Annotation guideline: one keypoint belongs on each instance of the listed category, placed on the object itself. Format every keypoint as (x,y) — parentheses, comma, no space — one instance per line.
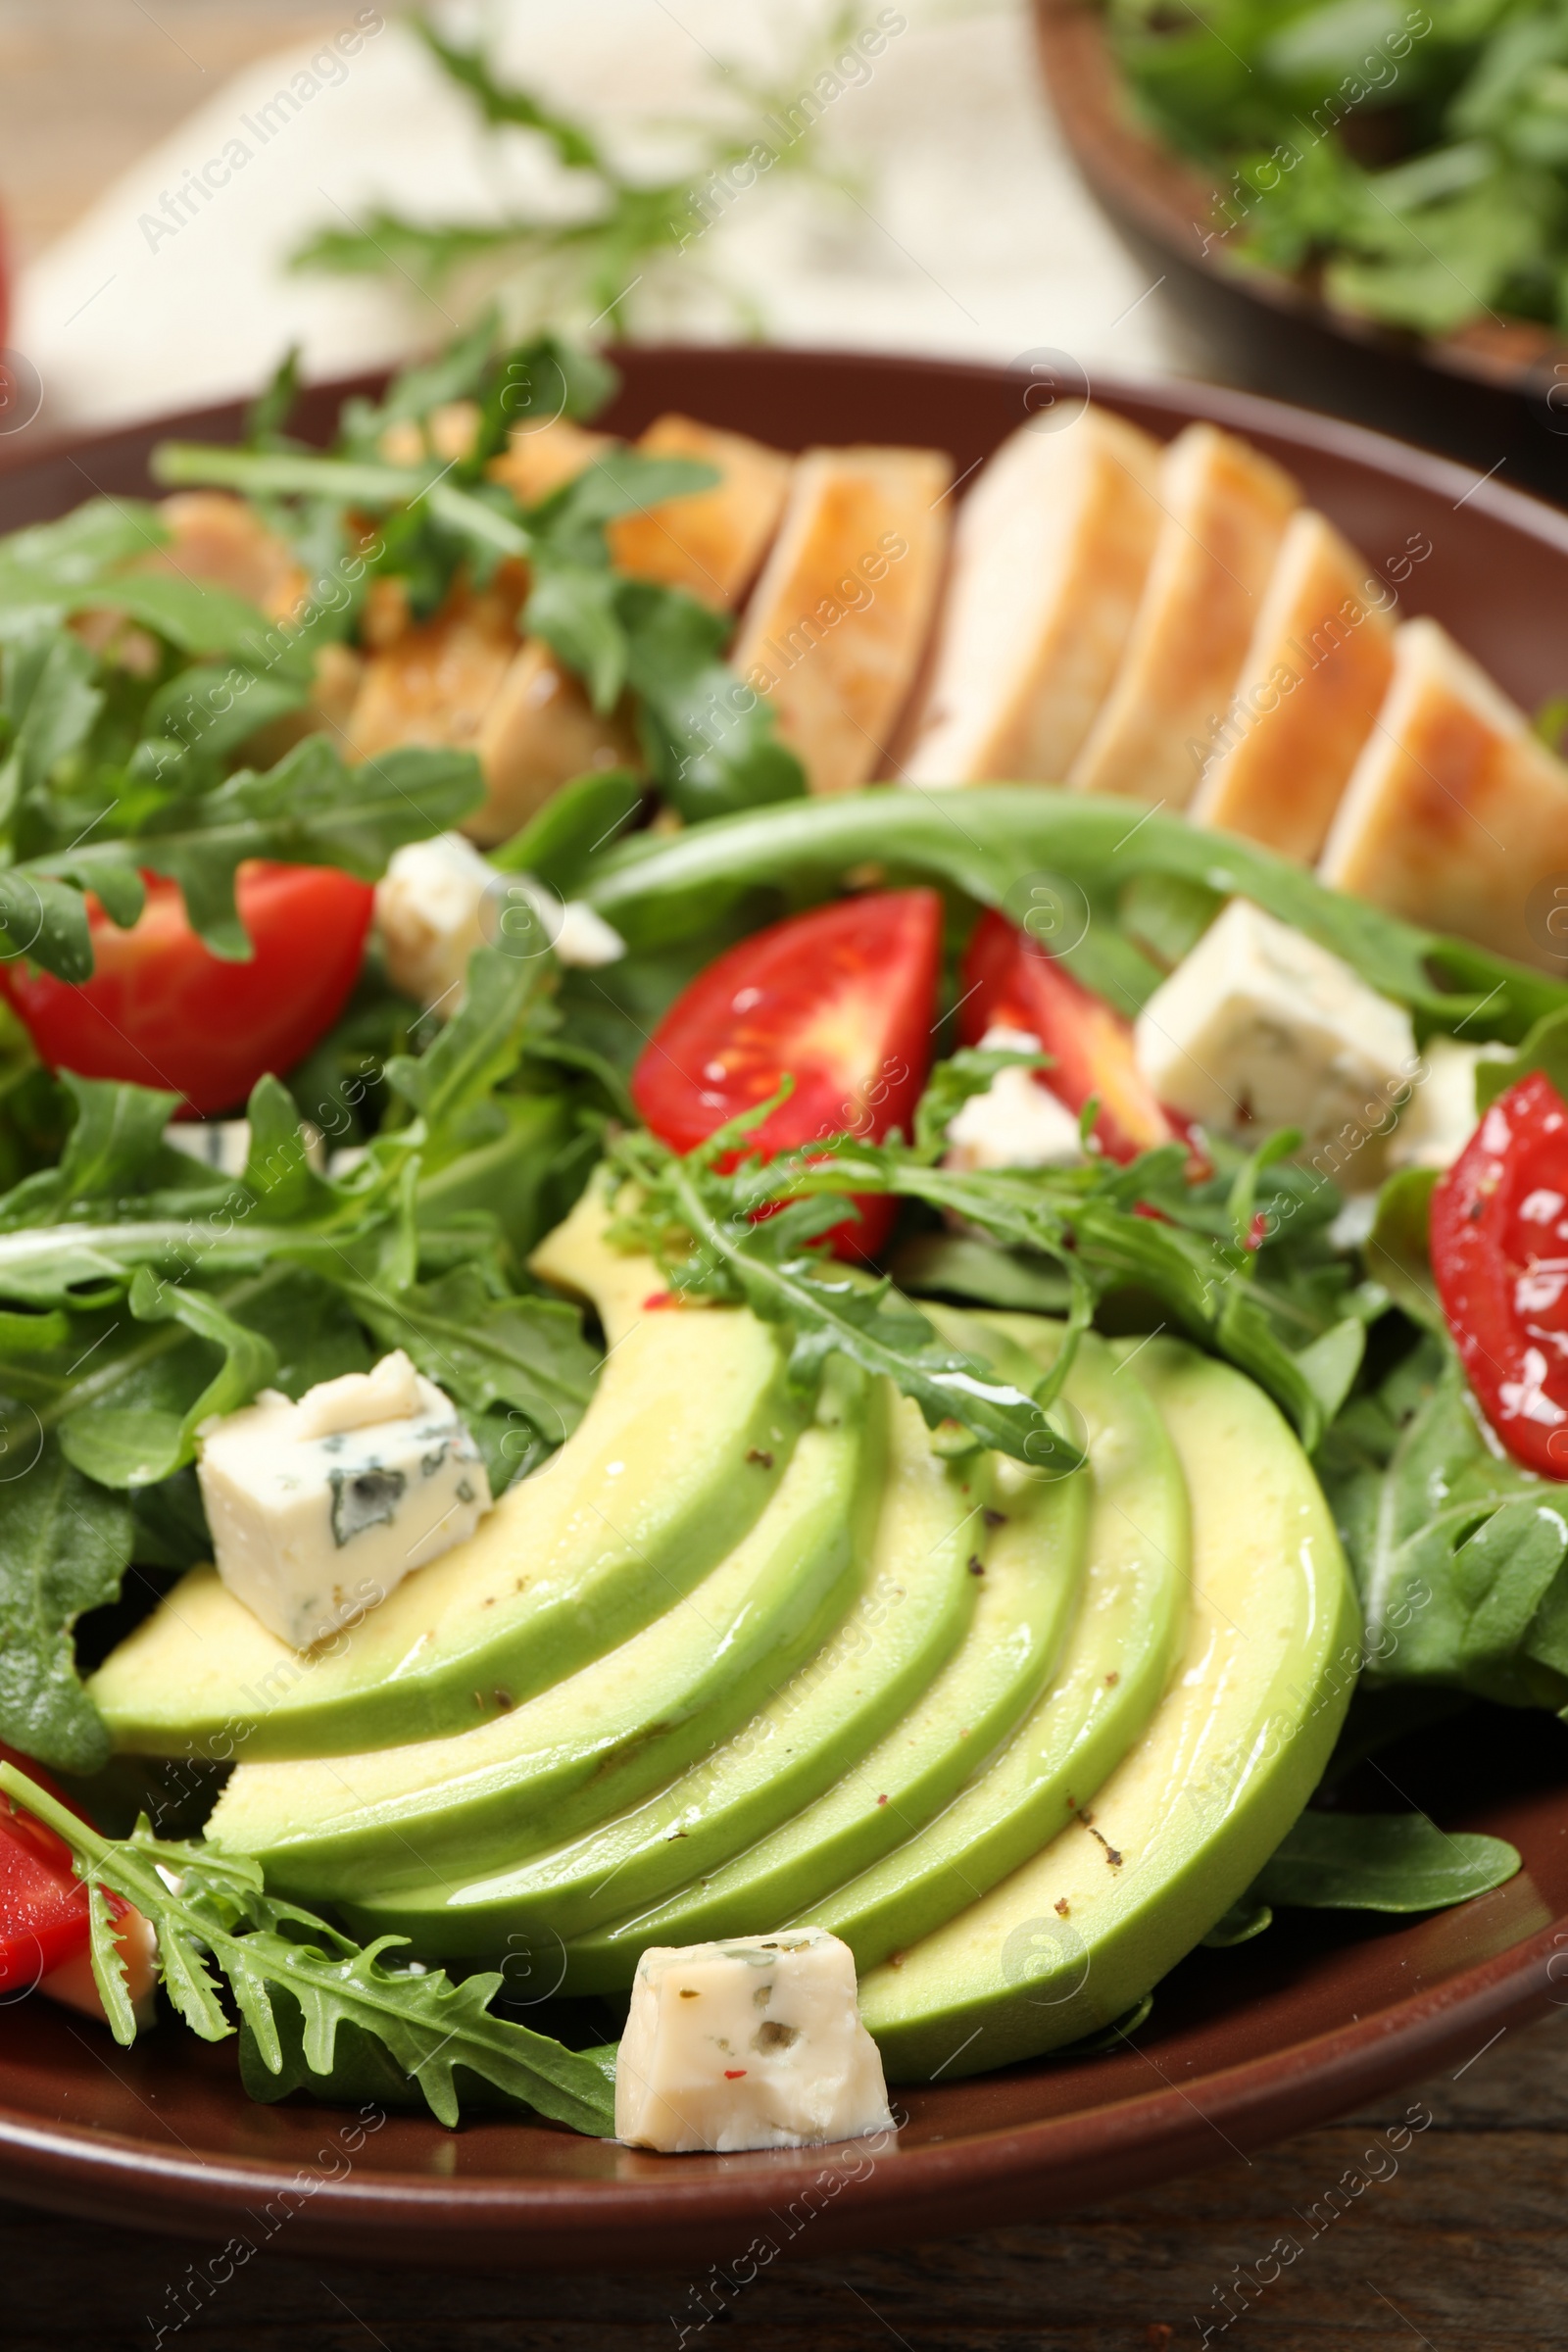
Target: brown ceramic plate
(1241,2046)
(1479,390)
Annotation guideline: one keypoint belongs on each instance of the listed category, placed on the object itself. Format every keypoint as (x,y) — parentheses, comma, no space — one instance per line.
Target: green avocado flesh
(1034,1569)
(1111,1678)
(1184,1822)
(912,1611)
(602,1737)
(687,1435)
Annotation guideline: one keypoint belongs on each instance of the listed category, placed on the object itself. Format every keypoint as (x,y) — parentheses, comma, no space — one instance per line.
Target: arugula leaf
(648,886)
(480,1045)
(221,1930)
(1380,1862)
(1546,1048)
(1458,1551)
(582,817)
(63,1547)
(827,1311)
(137,1445)
(617,231)
(487,1350)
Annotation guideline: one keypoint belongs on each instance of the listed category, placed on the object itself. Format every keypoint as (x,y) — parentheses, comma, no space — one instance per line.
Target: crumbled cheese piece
(1017,1122)
(754,2043)
(439,900)
(1442,1116)
(391,1392)
(318,1509)
(428,912)
(1260,1027)
(583,938)
(224,1144)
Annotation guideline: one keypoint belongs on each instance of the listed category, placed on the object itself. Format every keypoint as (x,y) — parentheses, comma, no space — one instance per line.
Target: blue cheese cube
(1260,1027)
(753,2043)
(318,1509)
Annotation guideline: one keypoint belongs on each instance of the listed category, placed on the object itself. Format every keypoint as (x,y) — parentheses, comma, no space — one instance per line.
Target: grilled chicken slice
(1225,513)
(1315,673)
(218,539)
(837,624)
(535,462)
(711,543)
(436,680)
(1455,811)
(1051,553)
(538,732)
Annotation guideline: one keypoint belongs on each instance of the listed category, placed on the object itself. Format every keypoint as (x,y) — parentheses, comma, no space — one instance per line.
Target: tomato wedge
(843,1000)
(43,1905)
(1011,982)
(160,1008)
(1499,1252)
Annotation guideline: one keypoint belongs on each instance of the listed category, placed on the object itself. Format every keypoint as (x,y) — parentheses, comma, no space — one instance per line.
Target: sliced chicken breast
(1315,674)
(836,627)
(539,731)
(712,543)
(1051,553)
(538,461)
(435,681)
(1455,811)
(218,539)
(1225,513)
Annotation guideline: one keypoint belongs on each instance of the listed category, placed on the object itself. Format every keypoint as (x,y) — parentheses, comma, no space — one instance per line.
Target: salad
(642,1346)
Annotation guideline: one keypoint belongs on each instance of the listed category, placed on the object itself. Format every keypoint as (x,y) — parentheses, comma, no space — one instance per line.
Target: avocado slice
(1111,1682)
(604,1736)
(684,1441)
(908,1617)
(1070,1939)
(1033,1576)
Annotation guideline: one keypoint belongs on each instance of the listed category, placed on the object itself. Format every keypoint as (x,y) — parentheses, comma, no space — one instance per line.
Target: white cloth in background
(973,236)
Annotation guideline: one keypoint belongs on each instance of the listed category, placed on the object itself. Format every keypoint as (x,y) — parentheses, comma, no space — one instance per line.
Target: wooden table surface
(1463,2248)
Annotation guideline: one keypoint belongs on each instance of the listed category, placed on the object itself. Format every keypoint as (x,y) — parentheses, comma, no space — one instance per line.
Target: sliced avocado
(1026,1595)
(600,1740)
(911,1614)
(1110,1683)
(686,1437)
(1189,1817)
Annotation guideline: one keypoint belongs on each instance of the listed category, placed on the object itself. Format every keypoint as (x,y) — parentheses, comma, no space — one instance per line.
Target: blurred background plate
(1243,2046)
(1479,393)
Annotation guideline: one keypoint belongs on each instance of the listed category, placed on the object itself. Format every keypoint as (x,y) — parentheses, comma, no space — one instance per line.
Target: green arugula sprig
(1238,1261)
(604,257)
(218,1929)
(701,1225)
(998,839)
(711,745)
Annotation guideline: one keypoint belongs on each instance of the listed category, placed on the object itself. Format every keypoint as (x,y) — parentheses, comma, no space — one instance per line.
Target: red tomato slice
(1499,1252)
(1011,982)
(162,1009)
(843,1000)
(43,1905)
